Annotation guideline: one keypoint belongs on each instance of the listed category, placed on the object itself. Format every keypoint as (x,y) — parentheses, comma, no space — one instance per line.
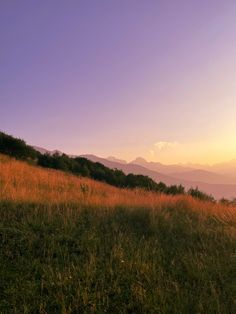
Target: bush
(16,147)
(200,195)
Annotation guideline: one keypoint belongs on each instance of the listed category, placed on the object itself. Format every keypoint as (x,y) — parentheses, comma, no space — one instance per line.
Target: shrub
(16,147)
(200,195)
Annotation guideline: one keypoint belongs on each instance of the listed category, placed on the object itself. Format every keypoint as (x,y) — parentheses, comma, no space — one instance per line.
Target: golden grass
(79,253)
(21,182)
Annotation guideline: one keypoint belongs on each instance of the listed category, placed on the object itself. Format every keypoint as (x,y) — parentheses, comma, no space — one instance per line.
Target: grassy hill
(74,245)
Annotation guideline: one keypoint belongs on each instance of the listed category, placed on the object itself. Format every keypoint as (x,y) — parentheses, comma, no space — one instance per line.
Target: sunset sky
(127,78)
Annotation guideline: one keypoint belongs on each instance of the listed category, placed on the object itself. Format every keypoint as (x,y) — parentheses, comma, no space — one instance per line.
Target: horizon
(131,160)
(153,79)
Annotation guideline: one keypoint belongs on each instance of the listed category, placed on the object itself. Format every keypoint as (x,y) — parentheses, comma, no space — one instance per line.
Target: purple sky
(125,77)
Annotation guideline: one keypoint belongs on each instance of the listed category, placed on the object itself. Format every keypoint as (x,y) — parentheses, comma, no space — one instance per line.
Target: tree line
(83,167)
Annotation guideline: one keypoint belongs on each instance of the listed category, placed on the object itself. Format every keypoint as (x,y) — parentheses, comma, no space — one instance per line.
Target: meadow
(73,245)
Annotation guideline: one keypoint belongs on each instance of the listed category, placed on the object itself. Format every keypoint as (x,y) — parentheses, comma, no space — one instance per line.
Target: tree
(16,147)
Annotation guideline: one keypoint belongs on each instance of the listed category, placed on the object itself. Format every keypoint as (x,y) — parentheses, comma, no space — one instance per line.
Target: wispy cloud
(151,152)
(163,145)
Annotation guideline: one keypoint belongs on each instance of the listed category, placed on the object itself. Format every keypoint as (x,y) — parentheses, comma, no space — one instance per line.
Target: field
(73,245)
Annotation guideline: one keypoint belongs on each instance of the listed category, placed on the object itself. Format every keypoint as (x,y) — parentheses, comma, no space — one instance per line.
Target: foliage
(95,170)
(200,195)
(225,201)
(16,147)
(174,190)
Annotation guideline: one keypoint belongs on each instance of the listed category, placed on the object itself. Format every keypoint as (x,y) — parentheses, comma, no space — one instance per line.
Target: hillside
(75,245)
(215,188)
(80,166)
(22,182)
(215,184)
(132,168)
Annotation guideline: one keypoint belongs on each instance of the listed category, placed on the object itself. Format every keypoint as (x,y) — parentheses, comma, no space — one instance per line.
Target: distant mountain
(132,168)
(217,190)
(204,176)
(157,166)
(112,158)
(209,174)
(226,168)
(46,151)
(50,152)
(217,184)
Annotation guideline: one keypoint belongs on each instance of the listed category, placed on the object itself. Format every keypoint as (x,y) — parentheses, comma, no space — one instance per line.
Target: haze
(124,78)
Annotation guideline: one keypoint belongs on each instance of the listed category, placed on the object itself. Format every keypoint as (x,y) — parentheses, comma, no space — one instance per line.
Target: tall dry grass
(74,245)
(21,182)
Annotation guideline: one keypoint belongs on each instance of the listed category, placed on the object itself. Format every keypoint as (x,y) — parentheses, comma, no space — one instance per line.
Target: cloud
(165,145)
(151,152)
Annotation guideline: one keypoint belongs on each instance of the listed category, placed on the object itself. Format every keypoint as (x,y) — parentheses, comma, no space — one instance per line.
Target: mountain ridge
(218,190)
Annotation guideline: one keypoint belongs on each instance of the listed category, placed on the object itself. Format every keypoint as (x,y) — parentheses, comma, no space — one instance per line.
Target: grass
(73,245)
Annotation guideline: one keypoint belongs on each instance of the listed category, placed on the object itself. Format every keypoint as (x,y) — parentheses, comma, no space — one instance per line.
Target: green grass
(58,259)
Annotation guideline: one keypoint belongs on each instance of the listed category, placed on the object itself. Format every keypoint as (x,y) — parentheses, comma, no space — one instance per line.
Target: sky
(124,78)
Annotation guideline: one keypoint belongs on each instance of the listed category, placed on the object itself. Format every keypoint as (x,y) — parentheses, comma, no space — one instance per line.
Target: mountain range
(218,180)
